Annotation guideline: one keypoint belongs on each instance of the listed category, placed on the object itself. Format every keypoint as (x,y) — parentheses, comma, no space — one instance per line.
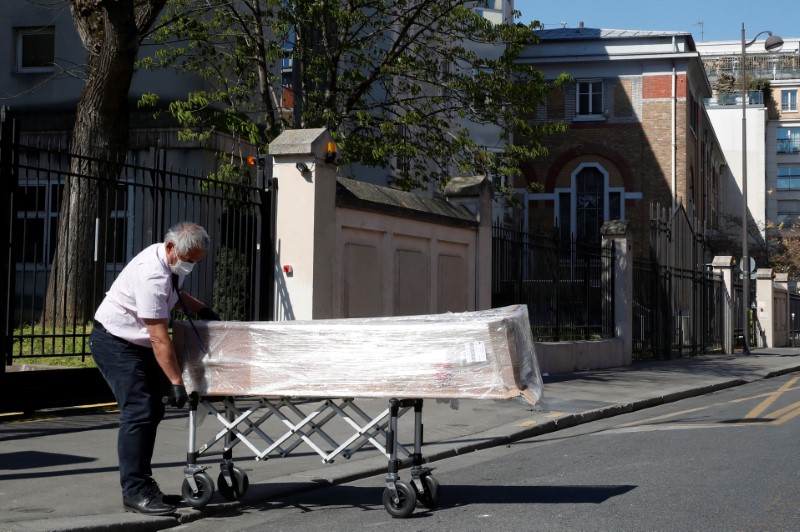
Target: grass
(49,346)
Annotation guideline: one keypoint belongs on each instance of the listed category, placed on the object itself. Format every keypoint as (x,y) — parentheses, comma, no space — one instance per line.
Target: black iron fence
(678,302)
(133,210)
(794,319)
(651,327)
(567,285)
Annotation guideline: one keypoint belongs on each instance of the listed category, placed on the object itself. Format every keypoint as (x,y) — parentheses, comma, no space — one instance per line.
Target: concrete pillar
(782,310)
(475,193)
(765,311)
(725,264)
(305,233)
(617,232)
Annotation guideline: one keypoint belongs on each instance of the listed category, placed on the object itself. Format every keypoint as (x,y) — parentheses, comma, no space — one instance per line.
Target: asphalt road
(724,461)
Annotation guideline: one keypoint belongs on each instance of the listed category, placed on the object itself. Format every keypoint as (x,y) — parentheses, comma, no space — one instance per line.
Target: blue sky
(721,20)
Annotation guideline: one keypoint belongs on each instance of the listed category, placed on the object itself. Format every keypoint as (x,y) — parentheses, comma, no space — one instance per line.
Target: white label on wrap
(475,352)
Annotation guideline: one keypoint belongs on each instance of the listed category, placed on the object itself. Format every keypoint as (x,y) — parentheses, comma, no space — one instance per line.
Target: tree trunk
(110,31)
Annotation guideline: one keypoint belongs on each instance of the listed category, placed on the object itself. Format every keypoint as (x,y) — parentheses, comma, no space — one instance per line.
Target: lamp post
(773,43)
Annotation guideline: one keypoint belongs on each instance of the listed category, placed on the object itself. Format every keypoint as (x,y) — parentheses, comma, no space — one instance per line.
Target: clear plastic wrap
(470,355)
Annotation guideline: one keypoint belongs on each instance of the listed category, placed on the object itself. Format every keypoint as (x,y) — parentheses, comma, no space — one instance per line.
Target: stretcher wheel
(407,503)
(429,499)
(205,490)
(239,488)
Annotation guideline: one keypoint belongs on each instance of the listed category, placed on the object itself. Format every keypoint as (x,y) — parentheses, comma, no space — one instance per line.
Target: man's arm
(164,350)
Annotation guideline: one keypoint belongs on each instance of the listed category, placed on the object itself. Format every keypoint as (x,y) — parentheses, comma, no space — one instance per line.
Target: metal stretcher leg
(424,483)
(198,488)
(232,482)
(398,497)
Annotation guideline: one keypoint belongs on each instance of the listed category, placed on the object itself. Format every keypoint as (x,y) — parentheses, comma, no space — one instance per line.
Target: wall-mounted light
(302,167)
(330,153)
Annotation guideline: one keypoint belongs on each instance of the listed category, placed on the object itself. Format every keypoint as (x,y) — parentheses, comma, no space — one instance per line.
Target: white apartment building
(773,126)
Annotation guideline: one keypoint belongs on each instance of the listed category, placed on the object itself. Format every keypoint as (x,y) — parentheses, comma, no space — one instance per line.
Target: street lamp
(773,43)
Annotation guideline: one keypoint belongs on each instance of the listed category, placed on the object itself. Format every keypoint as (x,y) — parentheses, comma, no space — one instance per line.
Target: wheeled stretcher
(276,386)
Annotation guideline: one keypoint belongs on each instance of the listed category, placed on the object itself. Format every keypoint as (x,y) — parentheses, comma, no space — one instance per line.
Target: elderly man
(131,345)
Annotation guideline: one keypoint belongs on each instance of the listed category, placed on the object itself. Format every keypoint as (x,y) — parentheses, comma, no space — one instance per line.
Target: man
(131,345)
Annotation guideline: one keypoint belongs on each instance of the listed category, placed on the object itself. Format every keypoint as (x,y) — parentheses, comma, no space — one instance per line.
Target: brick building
(638,133)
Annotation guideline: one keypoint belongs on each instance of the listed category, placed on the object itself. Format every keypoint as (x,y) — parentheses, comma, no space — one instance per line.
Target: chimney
(580,24)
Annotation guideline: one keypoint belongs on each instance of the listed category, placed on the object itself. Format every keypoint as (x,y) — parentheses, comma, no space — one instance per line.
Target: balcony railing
(781,65)
(726,99)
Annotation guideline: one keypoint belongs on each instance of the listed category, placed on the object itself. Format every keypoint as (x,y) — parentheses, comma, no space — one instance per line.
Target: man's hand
(177,396)
(207,314)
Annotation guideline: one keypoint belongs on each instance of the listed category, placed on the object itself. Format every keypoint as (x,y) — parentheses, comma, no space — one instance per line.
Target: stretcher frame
(243,426)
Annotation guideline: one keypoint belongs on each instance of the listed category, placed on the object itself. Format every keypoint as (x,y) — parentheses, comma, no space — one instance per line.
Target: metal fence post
(8,132)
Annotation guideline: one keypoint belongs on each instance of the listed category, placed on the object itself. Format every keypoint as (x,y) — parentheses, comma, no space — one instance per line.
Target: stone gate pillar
(617,232)
(725,264)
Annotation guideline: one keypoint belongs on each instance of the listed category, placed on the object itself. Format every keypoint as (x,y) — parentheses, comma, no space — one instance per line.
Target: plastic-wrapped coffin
(471,355)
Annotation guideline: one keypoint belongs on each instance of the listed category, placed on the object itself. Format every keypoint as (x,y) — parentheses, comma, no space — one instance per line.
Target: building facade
(638,134)
(773,125)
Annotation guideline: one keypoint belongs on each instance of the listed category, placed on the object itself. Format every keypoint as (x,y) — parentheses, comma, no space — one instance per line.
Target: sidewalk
(59,472)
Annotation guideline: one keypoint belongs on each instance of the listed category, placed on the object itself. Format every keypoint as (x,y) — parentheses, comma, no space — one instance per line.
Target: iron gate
(142,203)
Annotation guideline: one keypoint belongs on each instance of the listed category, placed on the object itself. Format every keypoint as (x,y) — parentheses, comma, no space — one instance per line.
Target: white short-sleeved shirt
(143,290)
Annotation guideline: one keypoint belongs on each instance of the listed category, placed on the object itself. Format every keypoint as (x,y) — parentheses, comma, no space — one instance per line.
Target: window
(589,203)
(788,213)
(36,220)
(581,209)
(788,139)
(788,177)
(564,215)
(590,98)
(35,49)
(788,100)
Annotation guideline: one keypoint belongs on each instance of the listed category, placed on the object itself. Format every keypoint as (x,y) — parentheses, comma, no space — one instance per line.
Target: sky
(705,20)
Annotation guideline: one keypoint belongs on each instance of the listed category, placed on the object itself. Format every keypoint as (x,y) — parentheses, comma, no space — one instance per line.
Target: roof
(600,33)
(366,196)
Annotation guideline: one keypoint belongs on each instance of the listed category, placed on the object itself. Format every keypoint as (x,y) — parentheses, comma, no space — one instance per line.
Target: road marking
(527,423)
(671,426)
(554,415)
(756,412)
(783,415)
(666,416)
(786,413)
(50,415)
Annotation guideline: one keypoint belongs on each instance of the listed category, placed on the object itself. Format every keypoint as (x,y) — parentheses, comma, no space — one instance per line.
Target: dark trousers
(137,381)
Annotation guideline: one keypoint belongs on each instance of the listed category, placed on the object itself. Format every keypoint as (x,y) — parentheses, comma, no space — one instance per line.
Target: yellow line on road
(666,416)
(786,413)
(527,423)
(49,415)
(756,412)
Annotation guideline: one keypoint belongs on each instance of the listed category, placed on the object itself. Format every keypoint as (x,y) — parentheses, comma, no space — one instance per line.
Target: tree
(778,248)
(111,32)
(398,84)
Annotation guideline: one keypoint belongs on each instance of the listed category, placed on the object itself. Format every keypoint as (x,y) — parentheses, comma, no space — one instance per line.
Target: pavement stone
(58,469)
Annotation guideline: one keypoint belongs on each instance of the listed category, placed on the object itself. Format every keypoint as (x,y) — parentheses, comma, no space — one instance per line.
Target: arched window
(581,209)
(590,202)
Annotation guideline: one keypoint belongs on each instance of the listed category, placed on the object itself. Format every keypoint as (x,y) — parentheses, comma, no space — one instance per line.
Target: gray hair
(187,236)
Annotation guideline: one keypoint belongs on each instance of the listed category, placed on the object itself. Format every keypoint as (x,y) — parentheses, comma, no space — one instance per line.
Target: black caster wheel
(406,504)
(239,488)
(429,499)
(205,490)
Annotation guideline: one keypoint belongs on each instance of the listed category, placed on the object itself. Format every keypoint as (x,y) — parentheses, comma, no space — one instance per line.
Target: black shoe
(153,488)
(147,503)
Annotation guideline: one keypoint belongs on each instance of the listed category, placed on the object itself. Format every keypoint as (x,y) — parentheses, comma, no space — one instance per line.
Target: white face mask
(181,268)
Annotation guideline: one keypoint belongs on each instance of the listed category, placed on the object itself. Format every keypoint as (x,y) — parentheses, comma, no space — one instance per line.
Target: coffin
(471,355)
